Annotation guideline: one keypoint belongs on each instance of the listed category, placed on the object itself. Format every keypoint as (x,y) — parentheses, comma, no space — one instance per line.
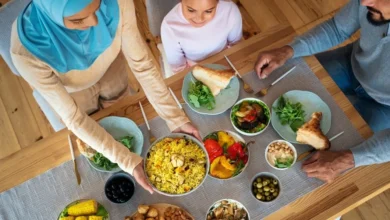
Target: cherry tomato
(251,116)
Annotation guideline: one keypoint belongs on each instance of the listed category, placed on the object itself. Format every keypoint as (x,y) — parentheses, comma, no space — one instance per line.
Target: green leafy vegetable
(105,163)
(127,141)
(240,165)
(284,163)
(200,95)
(225,148)
(102,211)
(213,136)
(290,113)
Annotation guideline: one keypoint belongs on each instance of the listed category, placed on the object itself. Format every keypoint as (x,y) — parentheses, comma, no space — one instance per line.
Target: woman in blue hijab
(65,50)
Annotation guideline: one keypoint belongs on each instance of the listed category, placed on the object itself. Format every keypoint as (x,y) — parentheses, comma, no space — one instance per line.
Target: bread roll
(216,80)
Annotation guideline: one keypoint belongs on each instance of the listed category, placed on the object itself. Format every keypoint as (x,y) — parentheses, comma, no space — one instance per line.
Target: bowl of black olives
(265,187)
(119,188)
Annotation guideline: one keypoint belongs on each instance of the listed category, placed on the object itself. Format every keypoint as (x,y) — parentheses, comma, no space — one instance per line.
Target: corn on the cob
(67,218)
(82,218)
(88,207)
(95,217)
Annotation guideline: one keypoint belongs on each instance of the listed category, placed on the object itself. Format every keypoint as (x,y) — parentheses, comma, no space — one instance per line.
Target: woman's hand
(140,177)
(269,61)
(188,128)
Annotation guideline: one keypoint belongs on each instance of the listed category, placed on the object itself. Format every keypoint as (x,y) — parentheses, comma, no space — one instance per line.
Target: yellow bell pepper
(214,164)
(219,171)
(222,173)
(225,139)
(226,163)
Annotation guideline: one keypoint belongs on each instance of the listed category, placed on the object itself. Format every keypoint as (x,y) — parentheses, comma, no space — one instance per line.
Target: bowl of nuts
(265,187)
(281,154)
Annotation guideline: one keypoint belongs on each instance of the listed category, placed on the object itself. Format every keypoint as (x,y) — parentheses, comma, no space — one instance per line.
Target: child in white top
(196,29)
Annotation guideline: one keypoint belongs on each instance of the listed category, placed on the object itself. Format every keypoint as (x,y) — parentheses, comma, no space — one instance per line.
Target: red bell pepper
(236,151)
(213,149)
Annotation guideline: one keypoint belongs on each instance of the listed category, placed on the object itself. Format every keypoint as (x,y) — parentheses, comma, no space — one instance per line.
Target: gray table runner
(46,195)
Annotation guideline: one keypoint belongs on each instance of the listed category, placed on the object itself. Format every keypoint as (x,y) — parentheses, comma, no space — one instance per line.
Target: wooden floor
(22,123)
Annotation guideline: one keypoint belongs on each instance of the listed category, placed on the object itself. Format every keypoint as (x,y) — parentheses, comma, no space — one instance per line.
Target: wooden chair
(8,14)
(156,11)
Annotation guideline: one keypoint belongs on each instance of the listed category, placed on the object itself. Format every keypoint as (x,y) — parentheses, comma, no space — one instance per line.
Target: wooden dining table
(327,202)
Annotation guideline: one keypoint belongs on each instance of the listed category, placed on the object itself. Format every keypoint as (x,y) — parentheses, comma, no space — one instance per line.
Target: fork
(264,91)
(247,87)
(151,137)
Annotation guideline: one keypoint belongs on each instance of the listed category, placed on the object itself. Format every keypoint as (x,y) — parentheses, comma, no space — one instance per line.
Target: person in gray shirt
(360,69)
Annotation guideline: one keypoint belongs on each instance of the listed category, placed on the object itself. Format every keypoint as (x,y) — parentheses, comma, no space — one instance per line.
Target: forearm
(95,136)
(138,56)
(330,33)
(157,92)
(375,150)
(319,39)
(77,121)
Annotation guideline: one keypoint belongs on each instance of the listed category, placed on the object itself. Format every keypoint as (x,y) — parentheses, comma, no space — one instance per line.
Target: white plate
(223,101)
(310,103)
(120,127)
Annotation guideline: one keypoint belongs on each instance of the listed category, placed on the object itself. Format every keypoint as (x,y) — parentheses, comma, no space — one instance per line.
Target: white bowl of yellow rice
(176,165)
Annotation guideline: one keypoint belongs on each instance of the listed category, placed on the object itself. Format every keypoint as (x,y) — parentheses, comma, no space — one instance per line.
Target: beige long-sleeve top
(55,87)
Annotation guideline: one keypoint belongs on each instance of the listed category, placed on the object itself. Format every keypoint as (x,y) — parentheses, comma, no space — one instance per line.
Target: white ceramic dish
(311,102)
(237,138)
(265,107)
(120,127)
(269,175)
(290,145)
(239,205)
(179,135)
(223,101)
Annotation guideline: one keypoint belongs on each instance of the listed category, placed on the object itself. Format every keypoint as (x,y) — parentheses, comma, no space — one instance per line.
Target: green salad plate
(311,103)
(101,210)
(120,127)
(223,101)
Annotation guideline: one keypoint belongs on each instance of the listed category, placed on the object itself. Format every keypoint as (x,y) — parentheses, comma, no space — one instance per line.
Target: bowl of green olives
(265,187)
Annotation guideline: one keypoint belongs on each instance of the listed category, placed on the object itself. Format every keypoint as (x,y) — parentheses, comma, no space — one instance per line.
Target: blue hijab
(42,31)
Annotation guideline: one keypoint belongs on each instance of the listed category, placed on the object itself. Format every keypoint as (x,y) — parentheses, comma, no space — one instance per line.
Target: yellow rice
(159,166)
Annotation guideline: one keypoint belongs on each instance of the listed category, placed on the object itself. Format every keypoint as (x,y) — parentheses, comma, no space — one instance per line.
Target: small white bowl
(237,138)
(269,175)
(290,145)
(239,205)
(243,132)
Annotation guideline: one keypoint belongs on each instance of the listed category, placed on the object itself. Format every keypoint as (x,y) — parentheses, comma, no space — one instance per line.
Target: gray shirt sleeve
(330,33)
(373,151)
